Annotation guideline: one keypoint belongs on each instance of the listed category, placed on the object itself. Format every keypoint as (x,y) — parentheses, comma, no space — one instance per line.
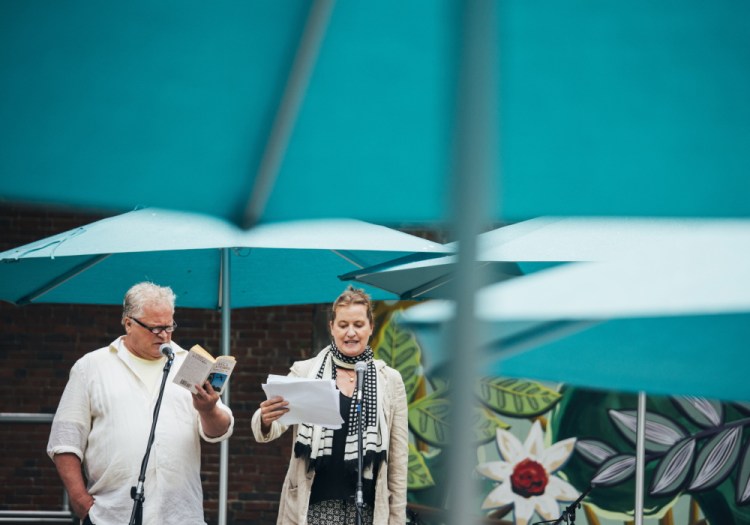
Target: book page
(194,370)
(202,351)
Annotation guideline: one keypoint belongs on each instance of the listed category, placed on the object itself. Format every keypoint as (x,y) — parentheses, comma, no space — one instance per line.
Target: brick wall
(39,344)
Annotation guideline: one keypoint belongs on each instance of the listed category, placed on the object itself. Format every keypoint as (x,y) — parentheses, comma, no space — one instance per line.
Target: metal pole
(474,168)
(226,324)
(640,453)
(286,116)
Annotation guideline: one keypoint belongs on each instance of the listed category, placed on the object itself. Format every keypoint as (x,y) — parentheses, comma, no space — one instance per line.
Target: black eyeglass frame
(156,330)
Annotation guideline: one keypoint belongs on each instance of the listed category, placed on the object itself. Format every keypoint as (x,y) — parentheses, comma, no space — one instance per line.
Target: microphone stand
(569,514)
(136,518)
(359,499)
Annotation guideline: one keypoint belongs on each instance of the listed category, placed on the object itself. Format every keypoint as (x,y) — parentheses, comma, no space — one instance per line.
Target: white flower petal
(523,509)
(509,446)
(551,459)
(561,490)
(546,507)
(534,444)
(497,470)
(556,455)
(499,497)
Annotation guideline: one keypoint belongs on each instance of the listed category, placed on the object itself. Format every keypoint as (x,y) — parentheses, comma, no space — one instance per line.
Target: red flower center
(529,478)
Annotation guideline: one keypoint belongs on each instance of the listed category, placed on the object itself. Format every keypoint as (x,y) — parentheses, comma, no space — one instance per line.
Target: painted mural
(540,446)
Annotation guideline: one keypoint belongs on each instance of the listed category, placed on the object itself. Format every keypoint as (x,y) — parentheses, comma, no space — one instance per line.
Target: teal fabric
(604,108)
(691,355)
(289,263)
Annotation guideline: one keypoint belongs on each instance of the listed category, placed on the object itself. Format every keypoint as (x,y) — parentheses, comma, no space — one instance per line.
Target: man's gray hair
(144,294)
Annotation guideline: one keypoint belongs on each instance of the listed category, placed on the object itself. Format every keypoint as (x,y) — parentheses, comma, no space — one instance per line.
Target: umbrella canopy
(536,244)
(675,327)
(672,326)
(607,108)
(208,262)
(285,263)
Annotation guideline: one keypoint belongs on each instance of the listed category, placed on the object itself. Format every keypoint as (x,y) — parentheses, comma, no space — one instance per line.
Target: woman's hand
(271,410)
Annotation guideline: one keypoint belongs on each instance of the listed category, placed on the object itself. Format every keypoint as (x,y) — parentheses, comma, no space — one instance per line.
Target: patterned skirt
(337,512)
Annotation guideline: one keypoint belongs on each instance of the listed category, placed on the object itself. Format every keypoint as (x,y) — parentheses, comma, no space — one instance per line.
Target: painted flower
(526,475)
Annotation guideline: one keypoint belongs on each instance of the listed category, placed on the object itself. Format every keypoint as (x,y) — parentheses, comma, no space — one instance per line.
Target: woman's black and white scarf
(315,442)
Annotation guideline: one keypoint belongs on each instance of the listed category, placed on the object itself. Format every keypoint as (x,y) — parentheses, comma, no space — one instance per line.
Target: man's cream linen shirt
(105,417)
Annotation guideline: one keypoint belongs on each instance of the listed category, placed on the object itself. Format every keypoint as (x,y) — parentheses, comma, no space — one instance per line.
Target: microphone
(359,369)
(167,351)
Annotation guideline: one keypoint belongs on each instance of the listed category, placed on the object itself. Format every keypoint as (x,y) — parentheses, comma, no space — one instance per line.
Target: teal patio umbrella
(264,111)
(660,291)
(672,327)
(674,323)
(274,264)
(208,262)
(529,246)
(663,327)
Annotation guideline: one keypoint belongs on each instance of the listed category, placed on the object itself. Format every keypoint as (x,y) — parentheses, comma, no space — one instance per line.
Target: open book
(200,366)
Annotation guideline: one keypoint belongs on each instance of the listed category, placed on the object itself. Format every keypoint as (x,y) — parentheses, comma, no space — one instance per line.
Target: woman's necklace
(351,377)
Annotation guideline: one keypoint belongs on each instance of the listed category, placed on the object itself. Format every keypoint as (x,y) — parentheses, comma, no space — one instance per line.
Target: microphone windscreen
(360,366)
(166,350)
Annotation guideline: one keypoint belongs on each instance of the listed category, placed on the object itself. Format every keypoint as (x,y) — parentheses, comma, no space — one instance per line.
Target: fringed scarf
(315,442)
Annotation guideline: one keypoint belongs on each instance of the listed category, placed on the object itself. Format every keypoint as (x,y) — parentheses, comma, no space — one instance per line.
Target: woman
(321,480)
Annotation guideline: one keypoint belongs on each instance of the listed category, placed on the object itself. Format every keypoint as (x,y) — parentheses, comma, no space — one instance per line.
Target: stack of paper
(311,401)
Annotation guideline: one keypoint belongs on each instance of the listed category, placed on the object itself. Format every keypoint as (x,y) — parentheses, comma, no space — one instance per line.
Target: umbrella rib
(349,257)
(286,116)
(392,263)
(61,279)
(422,289)
(442,280)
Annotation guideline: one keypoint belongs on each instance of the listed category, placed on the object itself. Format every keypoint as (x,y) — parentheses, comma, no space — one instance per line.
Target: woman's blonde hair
(350,296)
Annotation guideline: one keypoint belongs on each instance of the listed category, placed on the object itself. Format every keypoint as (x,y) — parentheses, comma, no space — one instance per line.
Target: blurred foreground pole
(475,144)
(226,322)
(640,457)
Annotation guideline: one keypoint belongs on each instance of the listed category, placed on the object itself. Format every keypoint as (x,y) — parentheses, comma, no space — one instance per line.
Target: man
(104,420)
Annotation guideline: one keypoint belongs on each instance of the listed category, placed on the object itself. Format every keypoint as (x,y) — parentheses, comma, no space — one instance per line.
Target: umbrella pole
(476,143)
(226,321)
(640,452)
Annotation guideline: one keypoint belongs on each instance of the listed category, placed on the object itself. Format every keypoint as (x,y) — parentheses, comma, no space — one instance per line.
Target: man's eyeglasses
(156,330)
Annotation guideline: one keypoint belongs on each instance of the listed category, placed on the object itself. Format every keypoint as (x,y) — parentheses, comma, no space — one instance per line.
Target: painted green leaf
(516,397)
(673,469)
(418,476)
(743,478)
(594,451)
(439,385)
(703,412)
(400,350)
(716,459)
(428,419)
(660,432)
(613,471)
(486,425)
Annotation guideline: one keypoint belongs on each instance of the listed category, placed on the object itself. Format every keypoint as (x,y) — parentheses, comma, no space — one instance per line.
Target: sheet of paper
(311,401)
